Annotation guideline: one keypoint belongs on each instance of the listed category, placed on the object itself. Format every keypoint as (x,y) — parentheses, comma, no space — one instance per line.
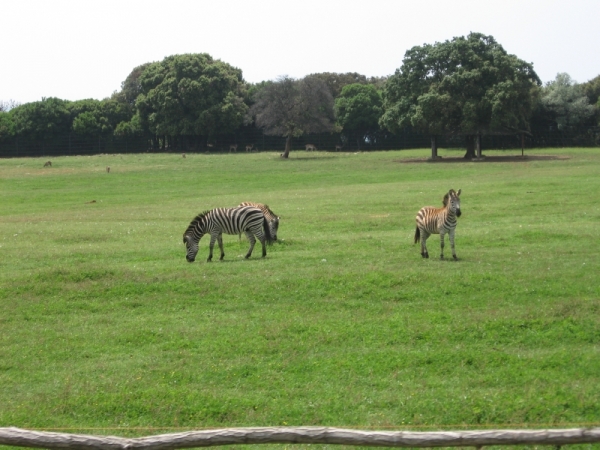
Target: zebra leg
(263,241)
(252,240)
(220,241)
(442,236)
(424,236)
(213,238)
(451,235)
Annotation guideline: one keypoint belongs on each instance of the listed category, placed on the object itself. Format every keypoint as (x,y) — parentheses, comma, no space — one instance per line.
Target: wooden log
(299,435)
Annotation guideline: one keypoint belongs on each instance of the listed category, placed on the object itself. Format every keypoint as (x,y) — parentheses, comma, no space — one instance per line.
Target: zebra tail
(417,235)
(267,231)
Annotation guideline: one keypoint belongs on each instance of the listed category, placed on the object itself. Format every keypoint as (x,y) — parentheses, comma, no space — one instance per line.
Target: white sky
(85,48)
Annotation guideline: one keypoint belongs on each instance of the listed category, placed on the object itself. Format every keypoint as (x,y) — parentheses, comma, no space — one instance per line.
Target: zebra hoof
(455,257)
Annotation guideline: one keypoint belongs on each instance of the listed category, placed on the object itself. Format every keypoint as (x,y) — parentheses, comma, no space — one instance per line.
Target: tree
(592,90)
(42,120)
(94,118)
(131,87)
(358,109)
(566,102)
(467,86)
(291,108)
(7,125)
(191,94)
(6,106)
(337,81)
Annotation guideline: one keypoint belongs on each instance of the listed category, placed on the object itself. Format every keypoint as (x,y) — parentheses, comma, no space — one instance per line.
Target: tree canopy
(191,94)
(358,109)
(291,108)
(566,101)
(466,86)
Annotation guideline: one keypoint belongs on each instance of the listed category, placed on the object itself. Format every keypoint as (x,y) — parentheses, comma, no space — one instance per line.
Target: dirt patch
(507,158)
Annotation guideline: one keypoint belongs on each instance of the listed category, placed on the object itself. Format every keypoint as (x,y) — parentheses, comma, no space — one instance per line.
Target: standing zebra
(271,217)
(432,220)
(230,221)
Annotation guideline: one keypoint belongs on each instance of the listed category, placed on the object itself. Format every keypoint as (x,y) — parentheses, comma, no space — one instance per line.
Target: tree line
(459,90)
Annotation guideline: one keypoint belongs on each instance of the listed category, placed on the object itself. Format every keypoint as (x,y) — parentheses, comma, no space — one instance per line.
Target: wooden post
(434,154)
(522,144)
(299,435)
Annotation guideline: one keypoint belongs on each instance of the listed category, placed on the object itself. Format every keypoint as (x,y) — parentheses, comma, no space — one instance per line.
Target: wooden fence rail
(299,435)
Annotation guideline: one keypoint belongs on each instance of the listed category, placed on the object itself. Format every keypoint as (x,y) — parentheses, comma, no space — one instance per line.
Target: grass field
(105,325)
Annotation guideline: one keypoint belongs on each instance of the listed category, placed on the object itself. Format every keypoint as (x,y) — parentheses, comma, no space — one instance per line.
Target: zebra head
(191,247)
(273,227)
(192,236)
(452,201)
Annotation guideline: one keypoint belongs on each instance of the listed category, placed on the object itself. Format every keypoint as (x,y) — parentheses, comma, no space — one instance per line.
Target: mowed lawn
(103,323)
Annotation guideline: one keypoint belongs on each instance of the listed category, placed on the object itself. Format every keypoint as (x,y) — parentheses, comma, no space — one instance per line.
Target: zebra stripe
(230,221)
(271,217)
(432,220)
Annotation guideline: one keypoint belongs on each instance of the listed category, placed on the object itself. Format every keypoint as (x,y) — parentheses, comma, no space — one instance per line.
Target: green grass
(104,324)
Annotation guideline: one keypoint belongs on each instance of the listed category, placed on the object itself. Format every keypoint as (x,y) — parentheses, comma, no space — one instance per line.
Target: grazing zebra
(230,221)
(432,220)
(271,217)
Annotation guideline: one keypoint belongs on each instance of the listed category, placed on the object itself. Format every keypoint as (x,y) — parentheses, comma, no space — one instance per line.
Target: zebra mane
(270,211)
(194,221)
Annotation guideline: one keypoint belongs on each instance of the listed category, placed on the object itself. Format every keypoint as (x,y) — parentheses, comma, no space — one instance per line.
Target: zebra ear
(458,193)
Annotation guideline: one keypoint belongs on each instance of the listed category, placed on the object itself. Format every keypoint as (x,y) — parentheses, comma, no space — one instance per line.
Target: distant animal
(271,217)
(107,169)
(183,155)
(209,147)
(249,147)
(233,147)
(217,221)
(48,164)
(310,147)
(338,147)
(432,220)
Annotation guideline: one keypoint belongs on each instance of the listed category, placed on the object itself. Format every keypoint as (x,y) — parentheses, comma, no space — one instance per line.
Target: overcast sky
(85,49)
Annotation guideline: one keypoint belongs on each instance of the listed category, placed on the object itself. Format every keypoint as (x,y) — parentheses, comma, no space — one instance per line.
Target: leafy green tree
(592,90)
(45,119)
(566,101)
(7,125)
(337,81)
(467,86)
(358,109)
(292,108)
(191,94)
(131,87)
(95,118)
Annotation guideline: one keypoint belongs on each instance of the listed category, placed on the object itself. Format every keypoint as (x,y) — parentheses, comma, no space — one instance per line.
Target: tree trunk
(288,146)
(470,143)
(434,154)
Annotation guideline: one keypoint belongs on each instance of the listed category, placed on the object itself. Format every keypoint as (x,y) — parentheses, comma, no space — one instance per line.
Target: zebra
(431,220)
(271,217)
(230,221)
